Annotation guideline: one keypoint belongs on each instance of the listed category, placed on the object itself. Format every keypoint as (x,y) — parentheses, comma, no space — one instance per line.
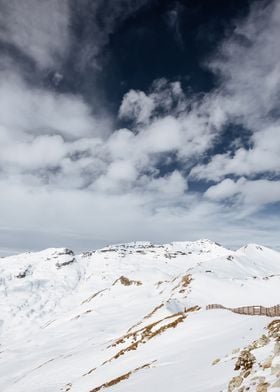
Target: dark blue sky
(150,45)
(161,38)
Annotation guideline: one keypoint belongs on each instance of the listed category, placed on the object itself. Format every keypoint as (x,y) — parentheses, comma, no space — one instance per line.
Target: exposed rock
(267,370)
(246,374)
(274,329)
(88,253)
(127,282)
(120,378)
(68,387)
(66,251)
(64,263)
(186,280)
(267,362)
(245,360)
(235,382)
(24,273)
(262,387)
(261,342)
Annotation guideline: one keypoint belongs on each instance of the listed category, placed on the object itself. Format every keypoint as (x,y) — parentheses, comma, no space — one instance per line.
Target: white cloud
(225,189)
(248,64)
(262,157)
(42,152)
(172,186)
(136,105)
(44,30)
(164,97)
(119,176)
(38,28)
(41,111)
(162,135)
(251,193)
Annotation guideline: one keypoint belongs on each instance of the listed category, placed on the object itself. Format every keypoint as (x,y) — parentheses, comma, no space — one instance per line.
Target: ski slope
(132,317)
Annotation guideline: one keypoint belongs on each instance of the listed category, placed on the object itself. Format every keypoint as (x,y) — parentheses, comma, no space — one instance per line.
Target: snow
(65,318)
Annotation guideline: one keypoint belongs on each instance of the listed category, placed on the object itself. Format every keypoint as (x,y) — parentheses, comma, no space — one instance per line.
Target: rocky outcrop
(260,375)
(127,282)
(121,378)
(64,263)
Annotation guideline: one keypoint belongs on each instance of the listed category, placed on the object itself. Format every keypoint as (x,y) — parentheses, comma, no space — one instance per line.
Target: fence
(273,311)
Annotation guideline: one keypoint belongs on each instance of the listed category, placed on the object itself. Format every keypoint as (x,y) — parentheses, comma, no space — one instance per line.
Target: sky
(126,120)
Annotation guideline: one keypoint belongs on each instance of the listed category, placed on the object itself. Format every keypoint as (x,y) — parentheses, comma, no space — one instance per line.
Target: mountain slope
(133,316)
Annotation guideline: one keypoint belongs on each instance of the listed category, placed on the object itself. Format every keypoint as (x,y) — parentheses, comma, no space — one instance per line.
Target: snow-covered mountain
(133,317)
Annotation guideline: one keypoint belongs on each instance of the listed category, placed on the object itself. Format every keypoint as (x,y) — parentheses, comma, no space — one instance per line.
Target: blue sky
(141,120)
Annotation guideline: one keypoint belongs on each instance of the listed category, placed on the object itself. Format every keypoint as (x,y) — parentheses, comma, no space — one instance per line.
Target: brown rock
(267,363)
(234,383)
(245,360)
(262,387)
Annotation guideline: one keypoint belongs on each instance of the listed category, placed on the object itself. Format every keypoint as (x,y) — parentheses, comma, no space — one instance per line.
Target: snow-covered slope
(133,317)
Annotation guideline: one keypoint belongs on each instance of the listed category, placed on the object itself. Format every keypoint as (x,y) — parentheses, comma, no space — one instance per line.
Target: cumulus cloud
(262,157)
(57,140)
(172,185)
(164,97)
(41,111)
(46,137)
(248,65)
(136,105)
(252,193)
